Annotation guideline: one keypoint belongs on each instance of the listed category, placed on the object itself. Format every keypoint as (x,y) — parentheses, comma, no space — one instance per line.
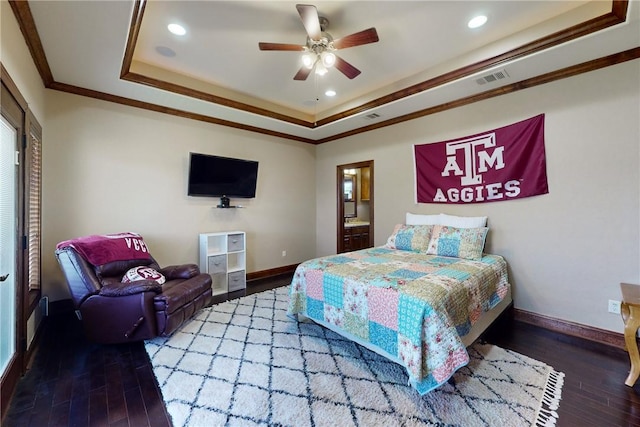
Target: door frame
(16,110)
(340,201)
(12,111)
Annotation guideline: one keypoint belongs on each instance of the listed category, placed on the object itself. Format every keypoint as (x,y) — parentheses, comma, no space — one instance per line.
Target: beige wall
(110,168)
(16,59)
(567,250)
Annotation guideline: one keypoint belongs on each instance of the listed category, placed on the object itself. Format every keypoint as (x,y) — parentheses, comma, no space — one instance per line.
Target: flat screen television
(215,176)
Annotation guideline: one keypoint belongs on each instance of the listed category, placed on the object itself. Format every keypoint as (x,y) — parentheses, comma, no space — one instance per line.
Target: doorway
(8,202)
(10,309)
(20,172)
(355,213)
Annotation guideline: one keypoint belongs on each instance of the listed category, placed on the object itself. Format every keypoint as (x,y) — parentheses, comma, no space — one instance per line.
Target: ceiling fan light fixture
(318,51)
(308,59)
(328,59)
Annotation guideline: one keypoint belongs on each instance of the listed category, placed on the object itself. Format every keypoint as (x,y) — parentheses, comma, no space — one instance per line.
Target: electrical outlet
(614,306)
(284,253)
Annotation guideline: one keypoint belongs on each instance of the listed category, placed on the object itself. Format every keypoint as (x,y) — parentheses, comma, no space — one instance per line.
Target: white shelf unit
(223,256)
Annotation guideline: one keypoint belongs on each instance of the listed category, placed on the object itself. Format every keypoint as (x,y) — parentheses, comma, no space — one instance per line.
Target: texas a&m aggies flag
(501,164)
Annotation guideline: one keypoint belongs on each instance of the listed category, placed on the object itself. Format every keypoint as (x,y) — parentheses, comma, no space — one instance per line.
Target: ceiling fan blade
(346,68)
(310,20)
(367,36)
(280,46)
(303,73)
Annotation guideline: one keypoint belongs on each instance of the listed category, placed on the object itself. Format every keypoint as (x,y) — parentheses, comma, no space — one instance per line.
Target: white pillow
(416,219)
(448,220)
(463,221)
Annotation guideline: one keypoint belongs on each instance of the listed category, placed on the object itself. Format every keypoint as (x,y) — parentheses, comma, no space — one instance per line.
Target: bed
(419,300)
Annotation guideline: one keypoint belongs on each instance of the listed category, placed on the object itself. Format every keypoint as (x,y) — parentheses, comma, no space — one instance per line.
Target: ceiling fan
(320,47)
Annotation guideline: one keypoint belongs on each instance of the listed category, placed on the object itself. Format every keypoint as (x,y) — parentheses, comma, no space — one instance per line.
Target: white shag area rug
(244,363)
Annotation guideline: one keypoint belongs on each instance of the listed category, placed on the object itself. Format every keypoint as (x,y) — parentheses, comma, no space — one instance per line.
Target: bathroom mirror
(349,191)
(349,188)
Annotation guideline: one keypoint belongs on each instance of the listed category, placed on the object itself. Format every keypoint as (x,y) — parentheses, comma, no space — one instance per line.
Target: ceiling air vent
(490,78)
(372,116)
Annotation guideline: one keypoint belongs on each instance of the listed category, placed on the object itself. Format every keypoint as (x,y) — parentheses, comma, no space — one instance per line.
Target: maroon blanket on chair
(101,249)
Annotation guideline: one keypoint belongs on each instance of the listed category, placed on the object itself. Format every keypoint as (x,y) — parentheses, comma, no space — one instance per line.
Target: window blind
(34,165)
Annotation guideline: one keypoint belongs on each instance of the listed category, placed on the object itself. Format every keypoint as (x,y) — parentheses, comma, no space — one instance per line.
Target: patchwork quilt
(413,306)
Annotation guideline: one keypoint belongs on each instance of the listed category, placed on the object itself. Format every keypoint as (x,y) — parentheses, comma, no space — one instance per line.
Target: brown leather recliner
(116,312)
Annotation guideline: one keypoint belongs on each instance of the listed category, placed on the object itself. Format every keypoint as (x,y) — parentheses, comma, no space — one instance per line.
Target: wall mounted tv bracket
(224,202)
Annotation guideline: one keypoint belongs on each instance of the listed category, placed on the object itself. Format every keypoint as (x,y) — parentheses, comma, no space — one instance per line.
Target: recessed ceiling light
(478,21)
(166,51)
(330,92)
(177,29)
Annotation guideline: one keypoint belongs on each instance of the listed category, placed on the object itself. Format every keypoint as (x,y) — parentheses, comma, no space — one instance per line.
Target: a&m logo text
(479,155)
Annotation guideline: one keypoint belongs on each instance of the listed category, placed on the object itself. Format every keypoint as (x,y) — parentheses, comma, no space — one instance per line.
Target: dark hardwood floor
(77,383)
(594,393)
